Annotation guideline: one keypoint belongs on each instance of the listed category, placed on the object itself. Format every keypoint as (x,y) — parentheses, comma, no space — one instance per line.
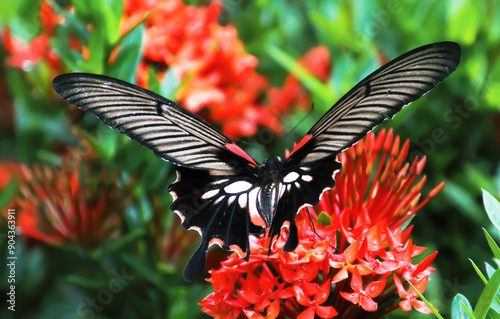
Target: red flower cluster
(210,60)
(65,205)
(353,263)
(219,79)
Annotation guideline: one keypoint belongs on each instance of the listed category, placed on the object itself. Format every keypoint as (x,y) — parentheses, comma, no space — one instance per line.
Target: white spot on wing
(220,181)
(178,176)
(307,178)
(237,187)
(282,190)
(252,208)
(291,177)
(242,200)
(210,194)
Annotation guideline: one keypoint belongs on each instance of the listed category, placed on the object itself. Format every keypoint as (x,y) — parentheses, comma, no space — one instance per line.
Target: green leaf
(324,219)
(139,267)
(8,192)
(118,243)
(169,84)
(490,271)
(479,272)
(431,307)
(112,13)
(129,56)
(467,310)
(492,207)
(85,282)
(489,292)
(96,61)
(459,306)
(10,9)
(463,200)
(103,141)
(493,245)
(464,22)
(323,91)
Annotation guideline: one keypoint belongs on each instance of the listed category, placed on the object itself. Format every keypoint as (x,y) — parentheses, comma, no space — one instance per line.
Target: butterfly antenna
(312,224)
(300,122)
(314,229)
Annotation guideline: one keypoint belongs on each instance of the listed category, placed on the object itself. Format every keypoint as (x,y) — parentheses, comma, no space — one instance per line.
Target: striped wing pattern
(377,97)
(172,132)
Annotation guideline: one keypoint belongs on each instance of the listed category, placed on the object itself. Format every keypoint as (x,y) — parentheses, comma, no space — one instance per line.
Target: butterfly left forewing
(170,131)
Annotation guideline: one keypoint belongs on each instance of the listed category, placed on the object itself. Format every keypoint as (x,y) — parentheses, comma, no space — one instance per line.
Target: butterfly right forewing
(377,97)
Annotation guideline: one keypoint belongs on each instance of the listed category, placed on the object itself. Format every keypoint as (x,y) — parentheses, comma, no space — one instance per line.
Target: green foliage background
(457,126)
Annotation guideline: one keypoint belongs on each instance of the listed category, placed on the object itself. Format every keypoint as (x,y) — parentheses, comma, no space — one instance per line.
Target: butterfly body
(221,191)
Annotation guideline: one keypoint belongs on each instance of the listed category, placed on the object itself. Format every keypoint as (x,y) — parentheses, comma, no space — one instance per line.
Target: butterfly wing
(377,97)
(220,207)
(171,131)
(216,178)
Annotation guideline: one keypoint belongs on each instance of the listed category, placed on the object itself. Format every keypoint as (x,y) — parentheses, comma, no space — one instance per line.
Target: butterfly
(220,190)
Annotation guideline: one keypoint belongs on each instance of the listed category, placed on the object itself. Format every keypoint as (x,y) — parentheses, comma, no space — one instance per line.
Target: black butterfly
(220,190)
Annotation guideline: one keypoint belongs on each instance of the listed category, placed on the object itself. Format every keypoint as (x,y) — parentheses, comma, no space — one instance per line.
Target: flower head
(347,262)
(65,205)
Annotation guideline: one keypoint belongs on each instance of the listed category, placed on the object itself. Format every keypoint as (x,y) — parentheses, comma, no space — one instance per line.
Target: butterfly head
(272,164)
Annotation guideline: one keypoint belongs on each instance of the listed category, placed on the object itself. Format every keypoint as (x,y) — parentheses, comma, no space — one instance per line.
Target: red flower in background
(354,259)
(66,205)
(218,78)
(26,55)
(217,74)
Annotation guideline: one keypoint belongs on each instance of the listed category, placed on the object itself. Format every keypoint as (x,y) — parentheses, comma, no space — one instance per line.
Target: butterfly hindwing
(218,207)
(301,185)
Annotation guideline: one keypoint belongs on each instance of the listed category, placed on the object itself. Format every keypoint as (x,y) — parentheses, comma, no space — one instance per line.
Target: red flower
(360,245)
(302,293)
(26,55)
(216,74)
(410,297)
(65,206)
(364,297)
(7,172)
(218,77)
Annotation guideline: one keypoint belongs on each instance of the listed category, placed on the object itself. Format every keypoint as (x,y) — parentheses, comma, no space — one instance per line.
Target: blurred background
(93,206)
